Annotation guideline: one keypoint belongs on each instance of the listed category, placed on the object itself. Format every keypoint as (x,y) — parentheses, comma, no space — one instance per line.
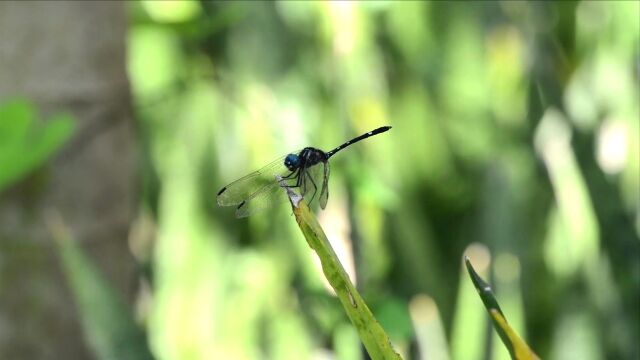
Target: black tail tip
(222,190)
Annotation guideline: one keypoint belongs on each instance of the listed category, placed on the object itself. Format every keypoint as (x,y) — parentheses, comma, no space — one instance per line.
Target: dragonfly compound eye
(292,161)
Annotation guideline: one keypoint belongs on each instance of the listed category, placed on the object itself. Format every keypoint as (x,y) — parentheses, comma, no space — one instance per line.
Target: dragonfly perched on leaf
(306,170)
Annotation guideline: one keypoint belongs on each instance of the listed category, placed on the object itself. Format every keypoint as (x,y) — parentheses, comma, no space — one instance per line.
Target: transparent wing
(324,193)
(312,186)
(253,184)
(271,195)
(267,197)
(313,178)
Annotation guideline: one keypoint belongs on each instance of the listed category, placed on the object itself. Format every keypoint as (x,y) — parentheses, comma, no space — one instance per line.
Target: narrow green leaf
(371,334)
(518,349)
(107,323)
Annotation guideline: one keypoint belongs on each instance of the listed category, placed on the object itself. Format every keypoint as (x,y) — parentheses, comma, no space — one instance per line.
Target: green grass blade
(371,334)
(518,349)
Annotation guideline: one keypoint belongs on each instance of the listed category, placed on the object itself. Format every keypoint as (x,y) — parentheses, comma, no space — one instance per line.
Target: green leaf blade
(107,323)
(371,333)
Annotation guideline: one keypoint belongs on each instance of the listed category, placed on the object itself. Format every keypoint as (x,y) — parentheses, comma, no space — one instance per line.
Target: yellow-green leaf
(521,350)
(372,335)
(518,349)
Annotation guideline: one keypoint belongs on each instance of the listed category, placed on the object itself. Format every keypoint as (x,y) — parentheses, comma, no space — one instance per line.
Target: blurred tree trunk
(65,56)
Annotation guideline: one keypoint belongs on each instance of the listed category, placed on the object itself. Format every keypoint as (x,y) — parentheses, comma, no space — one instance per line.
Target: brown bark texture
(65,56)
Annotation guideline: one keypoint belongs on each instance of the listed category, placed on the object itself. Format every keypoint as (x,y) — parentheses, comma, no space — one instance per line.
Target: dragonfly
(306,170)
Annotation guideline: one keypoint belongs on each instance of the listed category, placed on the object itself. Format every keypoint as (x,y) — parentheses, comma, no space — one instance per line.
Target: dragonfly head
(292,162)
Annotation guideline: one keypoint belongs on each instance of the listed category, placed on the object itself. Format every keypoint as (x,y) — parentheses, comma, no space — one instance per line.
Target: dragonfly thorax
(306,158)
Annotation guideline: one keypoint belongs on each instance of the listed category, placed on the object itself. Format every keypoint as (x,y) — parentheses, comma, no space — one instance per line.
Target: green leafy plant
(26,144)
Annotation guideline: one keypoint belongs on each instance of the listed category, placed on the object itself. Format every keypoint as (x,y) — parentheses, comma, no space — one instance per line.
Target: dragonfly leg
(299,179)
(291,176)
(315,187)
(301,183)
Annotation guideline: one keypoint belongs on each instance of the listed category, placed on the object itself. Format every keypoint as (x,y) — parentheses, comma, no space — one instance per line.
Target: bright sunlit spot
(172,11)
(612,146)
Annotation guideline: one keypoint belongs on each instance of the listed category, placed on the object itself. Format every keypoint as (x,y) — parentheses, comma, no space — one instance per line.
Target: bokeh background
(515,141)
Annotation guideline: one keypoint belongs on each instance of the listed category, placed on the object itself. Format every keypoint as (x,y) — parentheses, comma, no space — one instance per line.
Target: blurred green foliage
(515,139)
(26,143)
(108,325)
